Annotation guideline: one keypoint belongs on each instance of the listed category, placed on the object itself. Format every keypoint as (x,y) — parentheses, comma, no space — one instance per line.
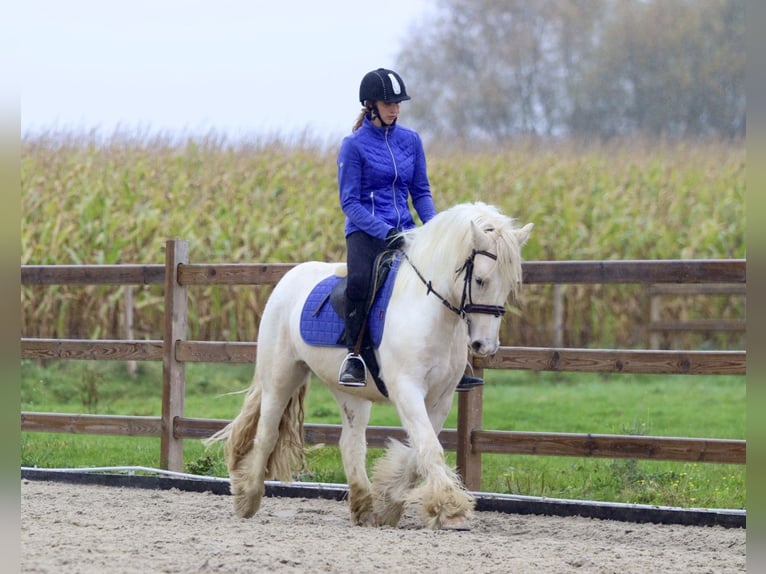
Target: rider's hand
(393,239)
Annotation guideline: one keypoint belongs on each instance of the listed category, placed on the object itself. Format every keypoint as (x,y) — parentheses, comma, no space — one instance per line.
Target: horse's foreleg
(355,413)
(394,476)
(444,500)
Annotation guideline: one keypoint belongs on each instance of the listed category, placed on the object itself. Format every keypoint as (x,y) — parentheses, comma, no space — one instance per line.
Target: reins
(467,269)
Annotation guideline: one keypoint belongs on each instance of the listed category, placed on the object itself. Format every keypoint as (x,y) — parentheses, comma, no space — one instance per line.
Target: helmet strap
(375,114)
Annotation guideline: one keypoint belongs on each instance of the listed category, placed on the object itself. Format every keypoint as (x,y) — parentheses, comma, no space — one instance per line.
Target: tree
(667,68)
(495,69)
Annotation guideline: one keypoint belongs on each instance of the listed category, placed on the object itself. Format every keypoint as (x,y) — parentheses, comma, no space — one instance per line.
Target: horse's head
(471,254)
(492,274)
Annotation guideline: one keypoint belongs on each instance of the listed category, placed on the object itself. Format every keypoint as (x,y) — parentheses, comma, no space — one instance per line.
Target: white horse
(452,284)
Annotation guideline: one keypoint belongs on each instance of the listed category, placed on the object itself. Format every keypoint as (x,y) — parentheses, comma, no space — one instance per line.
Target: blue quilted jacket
(378,169)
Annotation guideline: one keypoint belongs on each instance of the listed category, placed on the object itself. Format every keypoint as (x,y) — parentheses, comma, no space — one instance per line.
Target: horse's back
(308,274)
(286,300)
(296,284)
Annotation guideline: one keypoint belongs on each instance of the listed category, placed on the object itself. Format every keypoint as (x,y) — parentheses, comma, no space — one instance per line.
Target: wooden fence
(469,439)
(657,325)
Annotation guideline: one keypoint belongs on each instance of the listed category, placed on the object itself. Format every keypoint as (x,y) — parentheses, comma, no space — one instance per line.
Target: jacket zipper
(393,183)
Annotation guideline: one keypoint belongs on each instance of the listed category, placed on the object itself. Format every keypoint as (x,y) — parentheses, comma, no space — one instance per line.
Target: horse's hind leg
(273,413)
(355,414)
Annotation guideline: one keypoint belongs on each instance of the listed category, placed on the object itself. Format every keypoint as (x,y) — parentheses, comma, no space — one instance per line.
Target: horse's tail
(288,454)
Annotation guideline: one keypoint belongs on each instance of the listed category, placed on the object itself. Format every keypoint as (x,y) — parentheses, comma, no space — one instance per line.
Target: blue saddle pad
(322,326)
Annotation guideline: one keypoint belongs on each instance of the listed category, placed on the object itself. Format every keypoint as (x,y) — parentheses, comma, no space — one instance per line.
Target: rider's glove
(393,239)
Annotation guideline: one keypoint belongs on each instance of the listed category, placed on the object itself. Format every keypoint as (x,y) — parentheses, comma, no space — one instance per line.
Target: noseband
(470,306)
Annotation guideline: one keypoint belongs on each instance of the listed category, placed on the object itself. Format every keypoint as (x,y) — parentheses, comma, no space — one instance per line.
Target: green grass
(692,406)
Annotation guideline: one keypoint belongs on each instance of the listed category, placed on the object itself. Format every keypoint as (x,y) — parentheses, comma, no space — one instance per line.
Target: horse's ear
(481,240)
(523,234)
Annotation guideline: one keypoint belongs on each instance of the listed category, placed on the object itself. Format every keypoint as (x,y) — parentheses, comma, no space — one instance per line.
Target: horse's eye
(479,281)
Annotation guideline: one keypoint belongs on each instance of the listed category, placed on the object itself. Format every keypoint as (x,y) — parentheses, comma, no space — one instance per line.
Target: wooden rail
(485,441)
(519,358)
(469,440)
(549,272)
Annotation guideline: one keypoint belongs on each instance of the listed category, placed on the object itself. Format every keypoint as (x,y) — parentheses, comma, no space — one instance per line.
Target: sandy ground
(97,529)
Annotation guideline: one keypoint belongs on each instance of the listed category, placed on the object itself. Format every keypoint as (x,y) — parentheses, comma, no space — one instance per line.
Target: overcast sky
(188,66)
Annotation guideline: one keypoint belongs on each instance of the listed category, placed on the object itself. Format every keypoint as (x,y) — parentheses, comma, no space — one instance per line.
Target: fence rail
(469,440)
(549,272)
(519,358)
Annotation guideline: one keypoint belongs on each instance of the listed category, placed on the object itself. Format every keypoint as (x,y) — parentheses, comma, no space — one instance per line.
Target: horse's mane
(446,241)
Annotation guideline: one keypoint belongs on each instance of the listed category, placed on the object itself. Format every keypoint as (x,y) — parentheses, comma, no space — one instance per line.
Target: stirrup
(468,382)
(352,382)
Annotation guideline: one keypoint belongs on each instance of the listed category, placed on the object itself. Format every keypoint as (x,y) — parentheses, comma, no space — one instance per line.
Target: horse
(456,273)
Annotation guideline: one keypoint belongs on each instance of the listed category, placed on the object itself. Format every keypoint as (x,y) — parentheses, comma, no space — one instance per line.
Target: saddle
(322,316)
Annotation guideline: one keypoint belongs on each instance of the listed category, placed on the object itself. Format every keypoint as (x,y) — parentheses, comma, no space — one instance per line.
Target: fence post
(655,314)
(173,371)
(127,295)
(558,315)
(469,418)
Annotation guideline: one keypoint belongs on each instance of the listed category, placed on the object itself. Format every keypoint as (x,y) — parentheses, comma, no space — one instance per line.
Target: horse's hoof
(246,505)
(369,520)
(457,522)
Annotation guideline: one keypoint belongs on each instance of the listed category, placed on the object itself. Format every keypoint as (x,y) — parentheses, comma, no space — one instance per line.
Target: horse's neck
(422,293)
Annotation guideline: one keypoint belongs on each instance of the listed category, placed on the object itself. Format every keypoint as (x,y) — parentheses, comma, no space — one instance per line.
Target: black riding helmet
(382,85)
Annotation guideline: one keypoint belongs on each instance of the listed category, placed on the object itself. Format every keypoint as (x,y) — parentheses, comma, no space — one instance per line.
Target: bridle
(470,306)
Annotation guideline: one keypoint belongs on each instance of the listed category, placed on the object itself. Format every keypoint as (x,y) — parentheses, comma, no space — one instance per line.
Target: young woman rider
(381,166)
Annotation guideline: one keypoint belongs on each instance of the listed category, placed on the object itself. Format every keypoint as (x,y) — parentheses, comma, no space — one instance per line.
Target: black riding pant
(362,249)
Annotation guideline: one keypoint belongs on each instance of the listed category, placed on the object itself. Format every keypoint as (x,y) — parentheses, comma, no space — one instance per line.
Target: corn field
(95,200)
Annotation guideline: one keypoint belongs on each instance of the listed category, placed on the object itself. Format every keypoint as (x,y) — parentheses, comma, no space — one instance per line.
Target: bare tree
(495,69)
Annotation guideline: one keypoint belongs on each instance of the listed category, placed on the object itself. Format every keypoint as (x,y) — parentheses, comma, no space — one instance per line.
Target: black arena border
(505,503)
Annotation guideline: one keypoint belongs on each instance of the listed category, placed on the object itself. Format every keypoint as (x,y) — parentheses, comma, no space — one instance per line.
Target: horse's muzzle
(483,347)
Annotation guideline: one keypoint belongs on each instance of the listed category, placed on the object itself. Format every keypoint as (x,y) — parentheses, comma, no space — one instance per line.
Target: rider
(381,165)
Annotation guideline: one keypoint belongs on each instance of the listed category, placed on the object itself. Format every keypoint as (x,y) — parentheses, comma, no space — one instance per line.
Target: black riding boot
(353,372)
